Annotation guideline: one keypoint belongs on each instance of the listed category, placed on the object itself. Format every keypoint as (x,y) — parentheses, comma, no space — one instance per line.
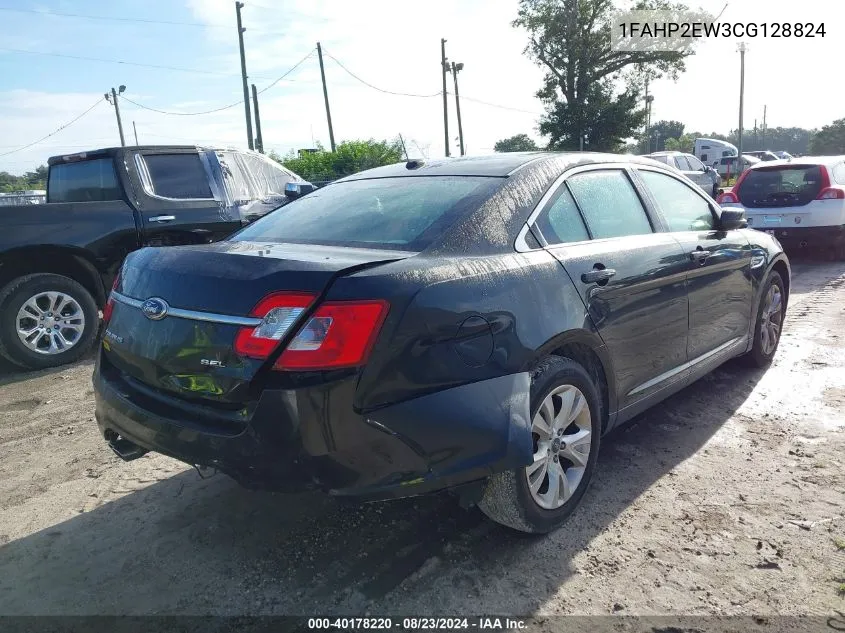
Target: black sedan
(475,324)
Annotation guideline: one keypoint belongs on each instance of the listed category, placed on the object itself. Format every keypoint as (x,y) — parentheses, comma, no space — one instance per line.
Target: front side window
(695,164)
(839,174)
(407,212)
(83,181)
(180,176)
(560,222)
(609,203)
(682,207)
(681,163)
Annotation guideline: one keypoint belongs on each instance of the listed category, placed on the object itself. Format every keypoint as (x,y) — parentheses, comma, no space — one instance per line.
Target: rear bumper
(300,439)
(807,238)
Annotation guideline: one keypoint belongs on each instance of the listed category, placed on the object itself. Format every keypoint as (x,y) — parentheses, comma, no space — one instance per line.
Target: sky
(55,67)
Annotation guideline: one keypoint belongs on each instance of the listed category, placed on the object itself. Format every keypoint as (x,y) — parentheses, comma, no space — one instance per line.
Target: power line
(368,84)
(54,132)
(124,63)
(225,107)
(501,107)
(115,19)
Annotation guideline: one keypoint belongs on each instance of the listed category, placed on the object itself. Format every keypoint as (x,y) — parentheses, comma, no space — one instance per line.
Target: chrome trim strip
(192,315)
(677,370)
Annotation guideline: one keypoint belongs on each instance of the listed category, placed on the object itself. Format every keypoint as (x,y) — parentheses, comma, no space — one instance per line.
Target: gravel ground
(727,499)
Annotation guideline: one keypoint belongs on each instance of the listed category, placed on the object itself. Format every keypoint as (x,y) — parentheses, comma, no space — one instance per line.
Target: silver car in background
(704,176)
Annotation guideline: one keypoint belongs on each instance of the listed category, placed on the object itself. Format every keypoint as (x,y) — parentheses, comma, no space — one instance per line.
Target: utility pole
(259,141)
(456,68)
(742,49)
(764,126)
(112,98)
(134,129)
(241,29)
(648,100)
(444,67)
(326,95)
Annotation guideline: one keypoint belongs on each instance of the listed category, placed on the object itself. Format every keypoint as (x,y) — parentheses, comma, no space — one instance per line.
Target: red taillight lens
(109,307)
(831,193)
(727,197)
(339,334)
(278,312)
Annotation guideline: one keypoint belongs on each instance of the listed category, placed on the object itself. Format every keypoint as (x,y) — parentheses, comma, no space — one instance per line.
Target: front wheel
(46,320)
(565,434)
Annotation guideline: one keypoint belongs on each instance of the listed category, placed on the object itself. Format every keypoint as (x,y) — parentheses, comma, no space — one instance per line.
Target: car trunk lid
(178,311)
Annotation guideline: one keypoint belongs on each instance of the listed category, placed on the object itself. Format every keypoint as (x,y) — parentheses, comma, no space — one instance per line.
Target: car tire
(768,324)
(524,499)
(78,321)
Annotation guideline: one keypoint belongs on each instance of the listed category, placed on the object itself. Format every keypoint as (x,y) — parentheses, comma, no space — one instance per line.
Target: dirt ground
(728,499)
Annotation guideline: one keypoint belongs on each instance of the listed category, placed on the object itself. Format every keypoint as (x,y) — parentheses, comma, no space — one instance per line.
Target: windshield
(406,213)
(787,186)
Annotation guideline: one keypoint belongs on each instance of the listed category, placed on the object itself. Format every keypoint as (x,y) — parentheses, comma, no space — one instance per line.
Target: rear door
(718,265)
(630,277)
(178,205)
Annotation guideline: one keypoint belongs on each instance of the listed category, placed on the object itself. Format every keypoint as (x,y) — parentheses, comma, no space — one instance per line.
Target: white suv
(801,202)
(702,175)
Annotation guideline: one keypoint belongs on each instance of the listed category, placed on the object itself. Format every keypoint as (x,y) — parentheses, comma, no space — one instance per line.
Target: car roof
(805,161)
(667,153)
(111,151)
(495,165)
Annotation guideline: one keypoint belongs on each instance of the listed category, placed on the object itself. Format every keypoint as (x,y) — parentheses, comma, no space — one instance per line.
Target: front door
(631,278)
(718,265)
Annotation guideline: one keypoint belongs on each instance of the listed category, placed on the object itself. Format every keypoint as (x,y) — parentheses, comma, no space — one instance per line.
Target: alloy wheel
(771,320)
(562,435)
(50,322)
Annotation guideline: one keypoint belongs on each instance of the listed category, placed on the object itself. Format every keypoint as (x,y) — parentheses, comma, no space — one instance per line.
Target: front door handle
(598,275)
(162,218)
(700,255)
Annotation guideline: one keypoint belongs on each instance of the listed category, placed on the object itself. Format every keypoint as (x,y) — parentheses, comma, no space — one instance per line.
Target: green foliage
(30,180)
(570,39)
(518,143)
(349,158)
(830,140)
(685,143)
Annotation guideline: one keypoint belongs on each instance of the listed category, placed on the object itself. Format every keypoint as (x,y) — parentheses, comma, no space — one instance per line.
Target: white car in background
(801,202)
(701,174)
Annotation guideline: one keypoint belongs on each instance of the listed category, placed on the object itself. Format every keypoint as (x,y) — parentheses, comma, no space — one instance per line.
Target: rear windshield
(84,181)
(787,186)
(405,213)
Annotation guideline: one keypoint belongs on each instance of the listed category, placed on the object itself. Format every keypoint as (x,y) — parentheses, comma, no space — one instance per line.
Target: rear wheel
(46,320)
(770,315)
(565,433)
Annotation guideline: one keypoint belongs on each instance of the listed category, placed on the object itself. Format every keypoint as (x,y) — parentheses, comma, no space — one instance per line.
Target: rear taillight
(729,197)
(339,334)
(831,193)
(278,312)
(109,307)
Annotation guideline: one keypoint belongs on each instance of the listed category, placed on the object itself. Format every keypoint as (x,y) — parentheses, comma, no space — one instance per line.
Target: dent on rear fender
(484,424)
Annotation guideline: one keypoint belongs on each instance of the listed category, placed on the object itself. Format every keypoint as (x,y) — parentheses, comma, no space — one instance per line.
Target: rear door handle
(699,255)
(162,218)
(598,275)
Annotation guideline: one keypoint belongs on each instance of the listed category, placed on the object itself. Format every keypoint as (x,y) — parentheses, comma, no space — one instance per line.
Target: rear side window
(609,203)
(682,207)
(84,181)
(786,186)
(406,213)
(560,222)
(180,176)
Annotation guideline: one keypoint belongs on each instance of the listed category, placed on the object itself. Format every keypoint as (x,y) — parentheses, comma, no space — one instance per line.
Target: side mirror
(294,190)
(732,218)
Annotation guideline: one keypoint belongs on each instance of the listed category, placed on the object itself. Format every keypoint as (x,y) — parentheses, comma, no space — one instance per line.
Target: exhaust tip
(123,448)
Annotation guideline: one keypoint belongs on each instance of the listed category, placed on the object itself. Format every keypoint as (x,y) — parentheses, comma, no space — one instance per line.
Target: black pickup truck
(58,260)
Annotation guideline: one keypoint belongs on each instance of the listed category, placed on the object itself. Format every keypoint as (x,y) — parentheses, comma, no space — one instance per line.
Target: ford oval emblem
(154,308)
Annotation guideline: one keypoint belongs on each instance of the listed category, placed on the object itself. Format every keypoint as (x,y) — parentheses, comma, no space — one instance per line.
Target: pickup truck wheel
(46,321)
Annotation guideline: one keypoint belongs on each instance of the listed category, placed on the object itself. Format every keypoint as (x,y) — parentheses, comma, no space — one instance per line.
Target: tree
(30,180)
(350,157)
(662,131)
(518,143)
(830,140)
(570,39)
(685,144)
